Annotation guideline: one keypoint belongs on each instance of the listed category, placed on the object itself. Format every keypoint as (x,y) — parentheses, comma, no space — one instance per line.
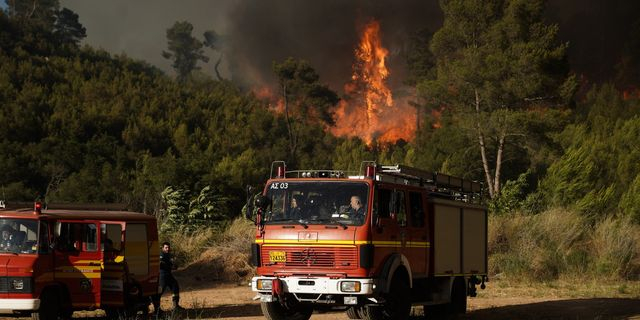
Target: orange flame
(274,102)
(630,93)
(369,110)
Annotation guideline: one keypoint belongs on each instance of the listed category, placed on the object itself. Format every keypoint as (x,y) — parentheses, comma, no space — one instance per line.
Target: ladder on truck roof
(443,184)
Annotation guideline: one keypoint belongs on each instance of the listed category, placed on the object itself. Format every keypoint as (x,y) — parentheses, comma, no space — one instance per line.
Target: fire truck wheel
(459,296)
(397,306)
(353,313)
(275,311)
(49,307)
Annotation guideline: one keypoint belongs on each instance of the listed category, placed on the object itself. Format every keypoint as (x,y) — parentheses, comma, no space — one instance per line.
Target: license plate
(277,256)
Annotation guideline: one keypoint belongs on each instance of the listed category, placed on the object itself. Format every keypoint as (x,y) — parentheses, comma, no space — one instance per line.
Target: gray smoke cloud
(258,32)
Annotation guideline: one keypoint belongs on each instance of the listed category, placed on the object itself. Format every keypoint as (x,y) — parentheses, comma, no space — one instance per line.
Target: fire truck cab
(56,261)
(373,244)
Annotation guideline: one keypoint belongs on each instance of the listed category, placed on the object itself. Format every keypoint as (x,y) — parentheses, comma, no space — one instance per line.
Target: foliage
(512,196)
(82,125)
(558,243)
(190,212)
(306,101)
(600,165)
(67,28)
(496,62)
(184,50)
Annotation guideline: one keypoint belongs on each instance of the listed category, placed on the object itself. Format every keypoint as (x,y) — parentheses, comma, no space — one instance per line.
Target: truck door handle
(393,237)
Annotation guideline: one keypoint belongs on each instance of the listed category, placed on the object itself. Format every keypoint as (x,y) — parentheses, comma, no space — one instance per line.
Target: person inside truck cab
(295,211)
(356,210)
(7,240)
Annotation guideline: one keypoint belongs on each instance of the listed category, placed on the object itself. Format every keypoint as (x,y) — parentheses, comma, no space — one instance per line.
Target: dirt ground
(228,301)
(235,302)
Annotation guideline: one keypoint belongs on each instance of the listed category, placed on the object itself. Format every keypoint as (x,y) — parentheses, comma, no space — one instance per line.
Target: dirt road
(225,301)
(234,302)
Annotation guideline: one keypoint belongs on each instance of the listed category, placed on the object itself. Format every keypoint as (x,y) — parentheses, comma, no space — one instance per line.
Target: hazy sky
(258,32)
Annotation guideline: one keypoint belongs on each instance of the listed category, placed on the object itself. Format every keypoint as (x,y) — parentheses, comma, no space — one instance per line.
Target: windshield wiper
(342,224)
(301,222)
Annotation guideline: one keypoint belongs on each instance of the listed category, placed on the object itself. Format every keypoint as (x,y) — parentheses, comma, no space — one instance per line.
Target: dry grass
(564,288)
(217,255)
(559,243)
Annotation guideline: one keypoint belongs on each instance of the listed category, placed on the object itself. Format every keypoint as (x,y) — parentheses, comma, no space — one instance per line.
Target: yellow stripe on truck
(408,244)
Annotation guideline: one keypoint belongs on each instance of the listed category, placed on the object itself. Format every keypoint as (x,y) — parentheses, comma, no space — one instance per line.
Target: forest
(500,104)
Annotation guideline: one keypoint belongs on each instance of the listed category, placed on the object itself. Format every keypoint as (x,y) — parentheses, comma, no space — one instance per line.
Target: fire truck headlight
(350,286)
(264,284)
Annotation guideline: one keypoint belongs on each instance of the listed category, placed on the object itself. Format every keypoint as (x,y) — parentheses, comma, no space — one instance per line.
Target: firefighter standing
(166,278)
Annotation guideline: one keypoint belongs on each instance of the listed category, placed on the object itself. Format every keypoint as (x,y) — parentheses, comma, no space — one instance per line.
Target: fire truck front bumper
(319,290)
(9,306)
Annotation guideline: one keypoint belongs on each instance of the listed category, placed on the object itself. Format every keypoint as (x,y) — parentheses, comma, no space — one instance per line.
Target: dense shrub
(559,243)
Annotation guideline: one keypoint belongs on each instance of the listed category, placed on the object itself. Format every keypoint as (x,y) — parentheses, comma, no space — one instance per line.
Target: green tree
(306,101)
(42,12)
(183,49)
(67,28)
(497,64)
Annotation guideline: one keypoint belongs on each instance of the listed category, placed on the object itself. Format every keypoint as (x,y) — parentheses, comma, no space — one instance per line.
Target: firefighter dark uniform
(167,281)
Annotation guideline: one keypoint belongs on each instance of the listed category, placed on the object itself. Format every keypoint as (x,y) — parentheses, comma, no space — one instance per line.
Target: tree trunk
(215,68)
(290,130)
(483,151)
(496,182)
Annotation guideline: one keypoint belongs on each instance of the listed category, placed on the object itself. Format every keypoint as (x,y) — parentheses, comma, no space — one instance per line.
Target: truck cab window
(18,235)
(399,207)
(76,237)
(383,203)
(417,211)
(317,202)
(43,244)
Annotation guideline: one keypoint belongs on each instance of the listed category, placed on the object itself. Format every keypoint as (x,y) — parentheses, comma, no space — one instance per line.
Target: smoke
(257,33)
(325,33)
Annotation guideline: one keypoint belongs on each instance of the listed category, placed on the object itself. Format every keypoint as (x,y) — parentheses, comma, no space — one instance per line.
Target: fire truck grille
(313,257)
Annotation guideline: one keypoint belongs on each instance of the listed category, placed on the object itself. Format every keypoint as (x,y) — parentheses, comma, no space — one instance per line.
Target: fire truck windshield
(317,202)
(18,236)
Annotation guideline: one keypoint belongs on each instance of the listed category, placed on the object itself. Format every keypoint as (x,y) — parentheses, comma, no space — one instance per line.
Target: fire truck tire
(49,307)
(458,296)
(397,305)
(352,313)
(436,312)
(275,311)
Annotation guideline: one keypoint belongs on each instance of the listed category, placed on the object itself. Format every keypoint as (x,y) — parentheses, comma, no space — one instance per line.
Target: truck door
(419,241)
(386,231)
(399,211)
(113,275)
(77,261)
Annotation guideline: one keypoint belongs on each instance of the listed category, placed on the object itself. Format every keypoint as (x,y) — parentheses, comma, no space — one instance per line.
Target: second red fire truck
(373,244)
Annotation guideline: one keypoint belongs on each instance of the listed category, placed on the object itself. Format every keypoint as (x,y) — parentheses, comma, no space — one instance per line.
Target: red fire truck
(53,262)
(373,244)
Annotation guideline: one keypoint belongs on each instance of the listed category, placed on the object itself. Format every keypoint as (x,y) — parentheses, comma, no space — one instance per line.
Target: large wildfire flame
(369,111)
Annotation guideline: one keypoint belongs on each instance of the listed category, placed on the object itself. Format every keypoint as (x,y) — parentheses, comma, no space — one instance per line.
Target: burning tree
(370,111)
(498,67)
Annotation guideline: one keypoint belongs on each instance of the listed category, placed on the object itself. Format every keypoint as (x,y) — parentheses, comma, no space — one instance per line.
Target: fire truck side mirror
(262,202)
